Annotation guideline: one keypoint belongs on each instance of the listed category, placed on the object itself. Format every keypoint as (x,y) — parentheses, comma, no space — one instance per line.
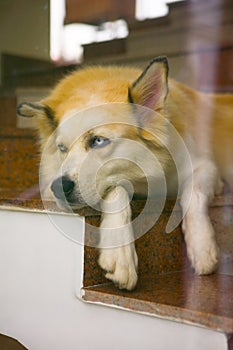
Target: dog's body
(86,141)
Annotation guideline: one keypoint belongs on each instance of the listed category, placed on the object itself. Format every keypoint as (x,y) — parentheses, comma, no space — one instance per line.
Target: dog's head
(102,127)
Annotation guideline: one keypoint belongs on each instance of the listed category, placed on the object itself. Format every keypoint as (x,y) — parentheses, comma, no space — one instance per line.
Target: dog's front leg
(117,250)
(199,233)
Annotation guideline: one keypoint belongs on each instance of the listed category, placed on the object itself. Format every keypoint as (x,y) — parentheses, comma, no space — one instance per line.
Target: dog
(118,123)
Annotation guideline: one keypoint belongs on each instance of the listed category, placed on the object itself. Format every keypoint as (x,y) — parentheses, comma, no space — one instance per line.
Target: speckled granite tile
(92,272)
(19,160)
(222,219)
(167,287)
(159,252)
(179,296)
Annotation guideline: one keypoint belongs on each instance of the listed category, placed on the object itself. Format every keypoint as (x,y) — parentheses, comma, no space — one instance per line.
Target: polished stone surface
(19,162)
(180,296)
(167,286)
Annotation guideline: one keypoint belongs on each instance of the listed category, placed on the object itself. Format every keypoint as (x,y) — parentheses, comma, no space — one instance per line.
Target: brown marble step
(160,252)
(179,296)
(19,161)
(167,285)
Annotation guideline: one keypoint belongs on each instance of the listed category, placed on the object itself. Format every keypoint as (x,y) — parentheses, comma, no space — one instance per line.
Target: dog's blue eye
(62,148)
(99,141)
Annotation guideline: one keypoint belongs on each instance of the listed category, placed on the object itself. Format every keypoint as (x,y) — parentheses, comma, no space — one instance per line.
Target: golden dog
(88,125)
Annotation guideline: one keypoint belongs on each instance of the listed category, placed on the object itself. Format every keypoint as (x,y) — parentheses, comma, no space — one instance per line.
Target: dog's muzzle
(63,188)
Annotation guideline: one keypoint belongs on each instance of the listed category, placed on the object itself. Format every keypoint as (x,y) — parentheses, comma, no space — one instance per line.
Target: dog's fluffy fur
(91,140)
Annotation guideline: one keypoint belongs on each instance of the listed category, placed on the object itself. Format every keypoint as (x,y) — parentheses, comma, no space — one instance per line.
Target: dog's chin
(77,202)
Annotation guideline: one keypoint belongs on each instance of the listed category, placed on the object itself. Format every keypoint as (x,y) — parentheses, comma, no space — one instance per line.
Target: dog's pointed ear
(42,113)
(151,88)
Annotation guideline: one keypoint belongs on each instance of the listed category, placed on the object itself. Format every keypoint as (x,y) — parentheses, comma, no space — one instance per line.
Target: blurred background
(37,36)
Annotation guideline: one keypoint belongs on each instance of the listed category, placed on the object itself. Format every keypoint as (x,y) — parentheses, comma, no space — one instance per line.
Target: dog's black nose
(62,187)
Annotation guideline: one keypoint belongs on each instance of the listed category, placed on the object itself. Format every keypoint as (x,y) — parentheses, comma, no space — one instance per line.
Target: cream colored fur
(204,121)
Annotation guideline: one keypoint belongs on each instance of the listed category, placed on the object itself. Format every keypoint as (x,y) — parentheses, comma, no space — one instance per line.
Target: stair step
(179,296)
(167,285)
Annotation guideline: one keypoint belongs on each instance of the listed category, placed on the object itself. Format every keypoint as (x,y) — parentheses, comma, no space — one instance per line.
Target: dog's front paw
(201,244)
(204,259)
(121,266)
